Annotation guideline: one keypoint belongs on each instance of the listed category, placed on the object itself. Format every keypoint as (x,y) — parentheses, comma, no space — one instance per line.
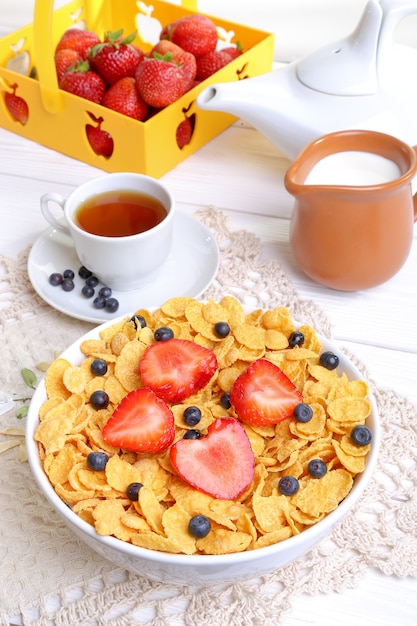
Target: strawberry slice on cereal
(141,422)
(176,368)
(220,463)
(263,395)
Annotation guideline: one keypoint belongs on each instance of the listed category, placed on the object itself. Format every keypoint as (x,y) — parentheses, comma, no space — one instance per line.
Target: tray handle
(52,96)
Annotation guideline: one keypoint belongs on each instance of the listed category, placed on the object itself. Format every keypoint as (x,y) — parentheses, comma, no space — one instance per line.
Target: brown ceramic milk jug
(354,211)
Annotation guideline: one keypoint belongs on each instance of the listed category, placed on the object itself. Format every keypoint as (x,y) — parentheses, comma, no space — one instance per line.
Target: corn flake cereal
(140,498)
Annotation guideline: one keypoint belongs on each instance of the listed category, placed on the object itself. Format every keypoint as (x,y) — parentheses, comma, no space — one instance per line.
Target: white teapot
(363,81)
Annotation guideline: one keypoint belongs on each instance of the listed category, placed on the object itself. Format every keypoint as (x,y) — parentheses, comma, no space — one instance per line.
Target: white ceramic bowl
(197,569)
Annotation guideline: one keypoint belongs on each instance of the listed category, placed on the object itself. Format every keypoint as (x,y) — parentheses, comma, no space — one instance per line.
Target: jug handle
(415,195)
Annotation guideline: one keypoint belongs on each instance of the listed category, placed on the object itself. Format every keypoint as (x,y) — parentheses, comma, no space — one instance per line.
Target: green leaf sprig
(29,378)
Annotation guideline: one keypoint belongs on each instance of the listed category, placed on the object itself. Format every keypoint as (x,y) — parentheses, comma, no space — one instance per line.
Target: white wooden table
(242,174)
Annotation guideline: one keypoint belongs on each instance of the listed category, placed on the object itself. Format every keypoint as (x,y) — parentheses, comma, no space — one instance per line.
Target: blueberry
(99,399)
(68,274)
(92,281)
(225,400)
(105,292)
(97,461)
(67,284)
(99,302)
(192,434)
(111,305)
(361,435)
(288,485)
(303,412)
(199,526)
(163,334)
(98,367)
(317,468)
(132,491)
(83,272)
(56,279)
(221,329)
(329,360)
(88,292)
(138,320)
(296,339)
(192,415)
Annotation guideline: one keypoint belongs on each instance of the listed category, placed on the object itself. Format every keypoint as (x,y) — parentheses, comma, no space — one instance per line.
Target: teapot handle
(393,11)
(415,195)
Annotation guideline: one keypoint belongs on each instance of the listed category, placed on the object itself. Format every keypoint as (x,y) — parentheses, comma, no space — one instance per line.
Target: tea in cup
(352,221)
(121,226)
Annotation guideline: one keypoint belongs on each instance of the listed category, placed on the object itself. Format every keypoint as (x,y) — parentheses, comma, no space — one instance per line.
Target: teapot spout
(267,102)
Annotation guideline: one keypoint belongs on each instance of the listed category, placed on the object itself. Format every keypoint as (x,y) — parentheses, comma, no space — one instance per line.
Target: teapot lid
(354,65)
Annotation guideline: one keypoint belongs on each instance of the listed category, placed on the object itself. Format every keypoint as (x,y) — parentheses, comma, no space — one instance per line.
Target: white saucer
(190,268)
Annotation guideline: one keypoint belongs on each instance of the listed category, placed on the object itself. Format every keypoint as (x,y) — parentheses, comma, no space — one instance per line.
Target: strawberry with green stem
(81,81)
(115,57)
(165,49)
(159,82)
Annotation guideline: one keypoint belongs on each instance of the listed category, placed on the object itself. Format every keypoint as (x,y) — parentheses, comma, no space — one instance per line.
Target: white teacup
(125,259)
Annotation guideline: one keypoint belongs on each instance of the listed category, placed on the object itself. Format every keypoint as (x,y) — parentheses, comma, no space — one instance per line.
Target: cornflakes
(70,429)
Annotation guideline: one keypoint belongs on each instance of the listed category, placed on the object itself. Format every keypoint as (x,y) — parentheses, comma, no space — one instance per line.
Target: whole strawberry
(77,39)
(17,106)
(211,62)
(64,59)
(194,33)
(159,82)
(83,82)
(115,57)
(124,98)
(185,60)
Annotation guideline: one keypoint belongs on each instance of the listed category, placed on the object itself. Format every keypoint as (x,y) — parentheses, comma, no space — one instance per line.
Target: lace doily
(48,576)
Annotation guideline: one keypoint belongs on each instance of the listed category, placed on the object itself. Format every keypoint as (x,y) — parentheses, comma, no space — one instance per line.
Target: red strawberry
(185,60)
(100,140)
(184,132)
(176,368)
(140,423)
(77,39)
(123,97)
(234,51)
(83,82)
(115,58)
(64,59)
(194,33)
(211,62)
(159,82)
(17,106)
(220,464)
(263,394)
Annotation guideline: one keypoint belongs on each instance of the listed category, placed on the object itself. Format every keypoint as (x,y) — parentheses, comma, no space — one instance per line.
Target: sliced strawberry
(176,368)
(263,394)
(221,463)
(140,423)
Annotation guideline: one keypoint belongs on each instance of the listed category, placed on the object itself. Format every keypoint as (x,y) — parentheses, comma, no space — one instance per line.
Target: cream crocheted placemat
(47,575)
